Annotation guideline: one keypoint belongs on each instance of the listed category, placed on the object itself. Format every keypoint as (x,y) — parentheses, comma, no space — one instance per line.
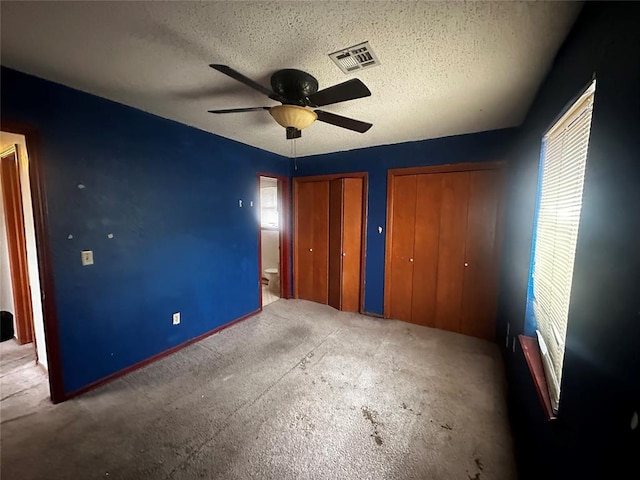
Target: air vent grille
(355,58)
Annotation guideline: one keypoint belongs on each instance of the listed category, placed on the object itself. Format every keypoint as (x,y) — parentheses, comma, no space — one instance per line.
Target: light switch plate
(87,257)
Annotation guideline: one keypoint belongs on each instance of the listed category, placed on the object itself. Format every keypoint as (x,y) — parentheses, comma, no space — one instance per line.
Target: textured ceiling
(446,68)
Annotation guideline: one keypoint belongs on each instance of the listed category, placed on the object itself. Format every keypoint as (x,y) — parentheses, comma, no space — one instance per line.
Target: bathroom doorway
(274,252)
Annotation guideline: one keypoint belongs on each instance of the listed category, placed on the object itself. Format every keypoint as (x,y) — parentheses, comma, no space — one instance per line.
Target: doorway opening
(273,236)
(23,350)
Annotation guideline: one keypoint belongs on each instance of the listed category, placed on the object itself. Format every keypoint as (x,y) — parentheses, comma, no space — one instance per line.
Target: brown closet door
(403,218)
(335,242)
(426,248)
(451,250)
(311,241)
(479,299)
(320,246)
(345,243)
(303,248)
(352,210)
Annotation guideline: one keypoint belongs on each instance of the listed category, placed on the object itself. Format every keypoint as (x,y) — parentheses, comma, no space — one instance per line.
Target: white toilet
(273,276)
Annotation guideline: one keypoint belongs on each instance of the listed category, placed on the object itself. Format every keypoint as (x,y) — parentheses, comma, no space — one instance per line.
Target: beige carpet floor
(300,391)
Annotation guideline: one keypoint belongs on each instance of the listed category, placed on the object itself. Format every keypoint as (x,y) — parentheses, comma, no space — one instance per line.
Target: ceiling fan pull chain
(295,154)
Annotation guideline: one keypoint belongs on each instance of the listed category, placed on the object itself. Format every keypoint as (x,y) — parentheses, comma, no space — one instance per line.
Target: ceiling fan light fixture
(293,116)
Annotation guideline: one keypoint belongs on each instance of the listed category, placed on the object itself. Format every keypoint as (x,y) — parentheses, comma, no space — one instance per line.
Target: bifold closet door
(480,291)
(345,243)
(311,241)
(442,257)
(429,199)
(400,275)
(428,235)
(451,250)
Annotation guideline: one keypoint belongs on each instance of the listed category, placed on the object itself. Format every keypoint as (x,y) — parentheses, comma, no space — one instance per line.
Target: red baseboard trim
(154,358)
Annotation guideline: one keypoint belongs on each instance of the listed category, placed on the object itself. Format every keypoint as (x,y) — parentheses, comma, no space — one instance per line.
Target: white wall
(270,249)
(6,293)
(7,139)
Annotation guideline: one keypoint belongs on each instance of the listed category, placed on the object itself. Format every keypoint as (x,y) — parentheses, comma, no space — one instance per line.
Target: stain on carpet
(303,363)
(405,407)
(480,467)
(372,415)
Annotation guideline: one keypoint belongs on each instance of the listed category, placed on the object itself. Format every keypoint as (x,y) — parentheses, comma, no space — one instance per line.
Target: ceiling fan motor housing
(294,85)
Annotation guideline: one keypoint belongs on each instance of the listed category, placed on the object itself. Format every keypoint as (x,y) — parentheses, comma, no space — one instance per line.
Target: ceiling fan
(298,93)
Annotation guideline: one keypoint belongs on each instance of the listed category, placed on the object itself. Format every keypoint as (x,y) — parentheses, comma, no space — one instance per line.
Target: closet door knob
(466,264)
(311,249)
(411,259)
(344,254)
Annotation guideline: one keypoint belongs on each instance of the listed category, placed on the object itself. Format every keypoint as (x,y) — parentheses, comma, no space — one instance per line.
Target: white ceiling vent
(355,58)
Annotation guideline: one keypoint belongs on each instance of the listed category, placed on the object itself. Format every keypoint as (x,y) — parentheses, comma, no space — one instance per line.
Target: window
(269,205)
(562,169)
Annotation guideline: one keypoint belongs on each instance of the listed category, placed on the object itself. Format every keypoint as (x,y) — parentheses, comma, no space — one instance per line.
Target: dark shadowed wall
(592,437)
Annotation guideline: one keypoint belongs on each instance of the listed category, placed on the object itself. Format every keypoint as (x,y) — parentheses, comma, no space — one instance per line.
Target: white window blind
(564,161)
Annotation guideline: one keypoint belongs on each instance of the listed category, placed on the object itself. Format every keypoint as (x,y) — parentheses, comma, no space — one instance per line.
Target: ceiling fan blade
(344,122)
(247,81)
(239,110)
(349,90)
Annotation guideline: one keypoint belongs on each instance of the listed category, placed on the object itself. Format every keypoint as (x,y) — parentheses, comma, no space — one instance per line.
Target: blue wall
(169,195)
(592,437)
(486,146)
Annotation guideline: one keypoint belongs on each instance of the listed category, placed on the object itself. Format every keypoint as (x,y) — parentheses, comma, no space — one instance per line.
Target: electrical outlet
(87,257)
(176,318)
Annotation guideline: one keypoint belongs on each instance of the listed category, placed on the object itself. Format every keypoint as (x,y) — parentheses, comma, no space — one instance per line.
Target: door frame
(16,241)
(396,172)
(365,216)
(284,207)
(43,247)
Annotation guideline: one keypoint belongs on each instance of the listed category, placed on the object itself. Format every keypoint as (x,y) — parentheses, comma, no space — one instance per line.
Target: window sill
(272,229)
(531,352)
